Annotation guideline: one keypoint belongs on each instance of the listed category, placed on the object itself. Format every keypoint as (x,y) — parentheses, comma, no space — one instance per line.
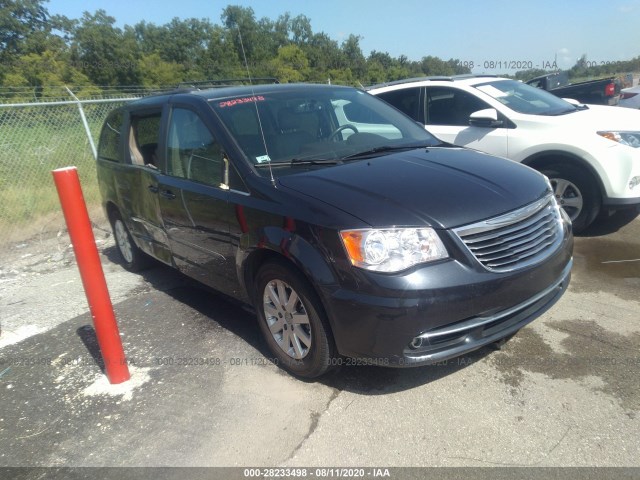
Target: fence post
(84,122)
(95,285)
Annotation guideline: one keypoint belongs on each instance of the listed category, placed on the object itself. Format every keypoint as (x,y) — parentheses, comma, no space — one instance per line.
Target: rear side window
(449,106)
(143,139)
(109,146)
(406,100)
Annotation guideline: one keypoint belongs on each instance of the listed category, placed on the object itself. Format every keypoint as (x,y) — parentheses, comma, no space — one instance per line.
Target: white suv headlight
(392,249)
(631,139)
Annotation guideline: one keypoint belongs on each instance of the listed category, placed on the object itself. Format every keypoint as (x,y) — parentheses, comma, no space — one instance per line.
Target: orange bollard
(95,285)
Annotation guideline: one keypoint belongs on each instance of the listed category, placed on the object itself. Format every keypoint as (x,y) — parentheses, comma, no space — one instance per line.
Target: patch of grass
(33,142)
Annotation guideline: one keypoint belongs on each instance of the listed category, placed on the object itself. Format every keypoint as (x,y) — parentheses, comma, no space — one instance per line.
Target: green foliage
(291,64)
(43,51)
(19,20)
(39,51)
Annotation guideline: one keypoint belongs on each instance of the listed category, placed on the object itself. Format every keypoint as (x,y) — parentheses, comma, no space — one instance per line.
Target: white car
(590,153)
(630,97)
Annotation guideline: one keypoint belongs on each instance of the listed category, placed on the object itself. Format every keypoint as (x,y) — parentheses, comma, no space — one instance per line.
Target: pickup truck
(604,91)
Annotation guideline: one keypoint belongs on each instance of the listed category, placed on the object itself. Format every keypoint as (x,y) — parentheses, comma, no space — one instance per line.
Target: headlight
(631,139)
(392,249)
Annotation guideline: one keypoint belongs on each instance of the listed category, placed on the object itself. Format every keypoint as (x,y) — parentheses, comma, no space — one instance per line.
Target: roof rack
(441,78)
(190,87)
(227,82)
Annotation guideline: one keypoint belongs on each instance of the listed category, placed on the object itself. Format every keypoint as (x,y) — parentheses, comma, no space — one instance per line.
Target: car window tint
(144,132)
(192,151)
(406,100)
(449,106)
(110,137)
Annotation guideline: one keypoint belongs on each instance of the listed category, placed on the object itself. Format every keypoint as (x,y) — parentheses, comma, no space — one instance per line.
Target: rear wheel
(292,321)
(132,257)
(576,192)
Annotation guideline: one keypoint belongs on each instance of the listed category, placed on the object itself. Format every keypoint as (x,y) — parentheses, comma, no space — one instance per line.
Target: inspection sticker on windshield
(240,101)
(263,159)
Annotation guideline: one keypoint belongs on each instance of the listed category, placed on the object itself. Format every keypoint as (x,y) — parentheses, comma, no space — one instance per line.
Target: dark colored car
(351,230)
(604,91)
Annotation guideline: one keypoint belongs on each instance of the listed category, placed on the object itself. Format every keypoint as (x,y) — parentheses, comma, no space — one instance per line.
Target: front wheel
(292,321)
(576,192)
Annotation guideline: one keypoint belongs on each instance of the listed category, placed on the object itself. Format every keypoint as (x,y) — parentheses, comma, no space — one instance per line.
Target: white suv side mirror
(485,118)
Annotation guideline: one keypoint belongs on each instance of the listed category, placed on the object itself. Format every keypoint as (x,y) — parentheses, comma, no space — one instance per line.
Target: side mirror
(487,118)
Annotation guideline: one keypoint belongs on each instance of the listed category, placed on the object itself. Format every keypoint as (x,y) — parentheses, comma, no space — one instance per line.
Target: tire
(293,321)
(576,192)
(131,257)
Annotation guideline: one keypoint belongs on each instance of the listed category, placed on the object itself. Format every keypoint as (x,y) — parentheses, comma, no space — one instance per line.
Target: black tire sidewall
(318,359)
(590,197)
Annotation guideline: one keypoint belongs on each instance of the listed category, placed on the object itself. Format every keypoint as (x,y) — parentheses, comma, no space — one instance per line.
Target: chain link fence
(36,138)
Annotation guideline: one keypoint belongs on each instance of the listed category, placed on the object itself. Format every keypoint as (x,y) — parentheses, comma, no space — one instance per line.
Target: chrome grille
(517,239)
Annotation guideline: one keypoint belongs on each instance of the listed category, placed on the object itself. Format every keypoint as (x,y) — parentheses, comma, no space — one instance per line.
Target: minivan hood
(443,187)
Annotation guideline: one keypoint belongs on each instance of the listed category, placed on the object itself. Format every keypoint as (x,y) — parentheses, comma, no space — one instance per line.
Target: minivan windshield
(523,98)
(318,126)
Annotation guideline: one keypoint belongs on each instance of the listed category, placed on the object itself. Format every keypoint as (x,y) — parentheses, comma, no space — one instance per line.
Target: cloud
(564,58)
(627,8)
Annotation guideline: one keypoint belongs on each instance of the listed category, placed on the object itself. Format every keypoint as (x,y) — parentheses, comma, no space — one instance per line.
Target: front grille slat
(531,224)
(517,239)
(522,240)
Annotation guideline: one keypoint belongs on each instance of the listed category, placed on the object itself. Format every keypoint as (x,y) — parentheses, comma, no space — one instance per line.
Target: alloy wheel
(287,319)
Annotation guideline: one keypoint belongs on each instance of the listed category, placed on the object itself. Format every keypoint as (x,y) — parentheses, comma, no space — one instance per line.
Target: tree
(107,55)
(580,68)
(301,32)
(291,64)
(19,19)
(46,73)
(221,59)
(354,57)
(324,54)
(185,41)
(156,72)
(376,72)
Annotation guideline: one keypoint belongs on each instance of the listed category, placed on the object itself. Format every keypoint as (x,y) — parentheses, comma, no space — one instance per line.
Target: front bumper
(464,310)
(462,337)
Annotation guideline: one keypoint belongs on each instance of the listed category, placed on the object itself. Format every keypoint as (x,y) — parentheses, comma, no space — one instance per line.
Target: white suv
(590,153)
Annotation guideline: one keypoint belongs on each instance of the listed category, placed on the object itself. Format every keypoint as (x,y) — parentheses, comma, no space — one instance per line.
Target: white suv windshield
(524,98)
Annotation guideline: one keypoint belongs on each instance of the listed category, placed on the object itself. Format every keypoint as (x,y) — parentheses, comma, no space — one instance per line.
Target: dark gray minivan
(356,235)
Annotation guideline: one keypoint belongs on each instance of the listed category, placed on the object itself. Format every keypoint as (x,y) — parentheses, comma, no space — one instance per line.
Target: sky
(491,36)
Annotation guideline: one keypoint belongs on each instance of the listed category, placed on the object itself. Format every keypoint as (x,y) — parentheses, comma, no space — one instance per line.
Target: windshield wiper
(576,108)
(294,162)
(383,149)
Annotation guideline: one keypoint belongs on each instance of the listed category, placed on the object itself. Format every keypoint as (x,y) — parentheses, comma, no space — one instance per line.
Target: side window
(449,106)
(536,83)
(406,100)
(109,146)
(144,132)
(357,118)
(356,113)
(192,152)
(235,180)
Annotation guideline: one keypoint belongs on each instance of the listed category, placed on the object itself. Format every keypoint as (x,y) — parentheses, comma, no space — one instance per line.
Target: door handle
(168,194)
(153,188)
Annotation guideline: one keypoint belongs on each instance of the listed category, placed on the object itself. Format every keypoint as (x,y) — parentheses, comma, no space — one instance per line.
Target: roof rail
(226,82)
(441,78)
